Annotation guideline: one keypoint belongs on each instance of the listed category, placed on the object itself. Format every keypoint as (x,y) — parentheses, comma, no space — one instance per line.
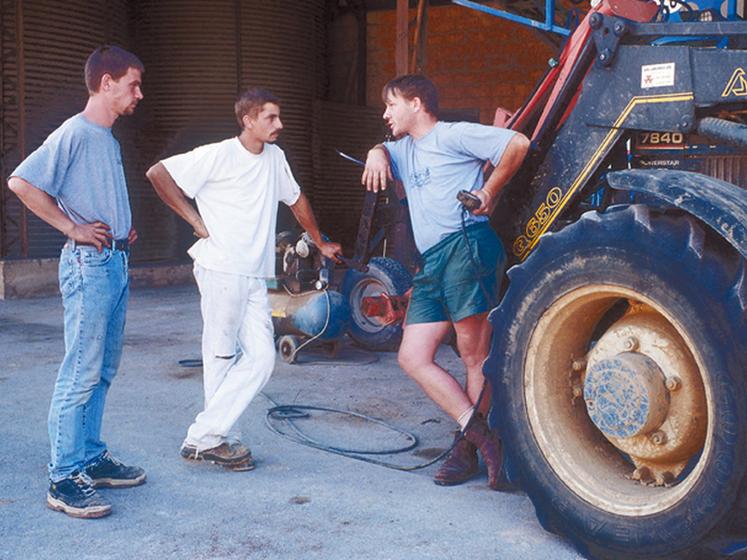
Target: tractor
(618,365)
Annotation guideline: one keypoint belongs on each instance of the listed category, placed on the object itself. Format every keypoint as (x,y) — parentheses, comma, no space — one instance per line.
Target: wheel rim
(366,287)
(287,348)
(600,459)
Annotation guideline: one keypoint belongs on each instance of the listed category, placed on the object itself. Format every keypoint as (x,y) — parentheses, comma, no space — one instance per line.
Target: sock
(465,417)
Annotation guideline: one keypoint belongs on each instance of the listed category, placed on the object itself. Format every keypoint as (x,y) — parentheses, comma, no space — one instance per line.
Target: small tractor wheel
(618,366)
(384,275)
(287,348)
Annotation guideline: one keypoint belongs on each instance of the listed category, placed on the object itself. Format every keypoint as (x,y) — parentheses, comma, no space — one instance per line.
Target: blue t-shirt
(434,168)
(80,165)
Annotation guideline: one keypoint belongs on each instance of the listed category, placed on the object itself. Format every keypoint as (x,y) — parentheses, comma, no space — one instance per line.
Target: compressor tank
(307,313)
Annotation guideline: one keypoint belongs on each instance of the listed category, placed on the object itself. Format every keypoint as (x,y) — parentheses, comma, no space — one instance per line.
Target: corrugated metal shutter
(57,39)
(338,195)
(189,50)
(197,56)
(282,50)
(10,209)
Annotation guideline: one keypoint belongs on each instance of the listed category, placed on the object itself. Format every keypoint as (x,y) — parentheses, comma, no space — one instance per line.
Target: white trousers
(238,351)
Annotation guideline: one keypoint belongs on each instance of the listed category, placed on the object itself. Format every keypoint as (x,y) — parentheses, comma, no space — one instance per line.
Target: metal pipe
(568,90)
(731,10)
(687,29)
(548,25)
(549,13)
(416,40)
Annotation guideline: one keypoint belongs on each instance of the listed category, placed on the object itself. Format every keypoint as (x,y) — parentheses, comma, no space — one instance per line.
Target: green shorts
(452,285)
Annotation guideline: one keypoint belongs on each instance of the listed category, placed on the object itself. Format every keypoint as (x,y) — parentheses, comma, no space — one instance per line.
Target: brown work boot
(233,456)
(460,464)
(490,448)
(246,464)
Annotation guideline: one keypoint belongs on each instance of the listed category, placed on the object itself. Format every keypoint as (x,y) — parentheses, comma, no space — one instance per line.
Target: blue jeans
(94,289)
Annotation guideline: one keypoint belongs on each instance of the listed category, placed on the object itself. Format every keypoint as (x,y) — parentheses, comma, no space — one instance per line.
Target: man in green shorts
(457,283)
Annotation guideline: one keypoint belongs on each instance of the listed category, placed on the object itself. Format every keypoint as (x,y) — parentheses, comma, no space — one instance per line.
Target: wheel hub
(367,288)
(625,395)
(573,339)
(646,395)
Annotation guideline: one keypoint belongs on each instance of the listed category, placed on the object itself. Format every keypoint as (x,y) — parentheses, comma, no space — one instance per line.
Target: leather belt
(114,244)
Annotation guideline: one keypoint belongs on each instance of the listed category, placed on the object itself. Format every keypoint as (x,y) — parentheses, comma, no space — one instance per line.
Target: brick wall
(476,60)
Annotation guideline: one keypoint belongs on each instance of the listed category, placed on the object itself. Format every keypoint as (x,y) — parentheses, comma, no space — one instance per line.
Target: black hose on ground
(289,413)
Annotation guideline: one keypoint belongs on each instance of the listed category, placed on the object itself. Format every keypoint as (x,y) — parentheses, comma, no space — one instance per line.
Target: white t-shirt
(237,194)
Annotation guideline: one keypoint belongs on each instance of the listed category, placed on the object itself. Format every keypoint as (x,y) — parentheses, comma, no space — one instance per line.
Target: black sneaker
(108,472)
(76,497)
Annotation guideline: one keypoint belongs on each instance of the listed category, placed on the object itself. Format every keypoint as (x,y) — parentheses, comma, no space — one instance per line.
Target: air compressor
(306,310)
(316,303)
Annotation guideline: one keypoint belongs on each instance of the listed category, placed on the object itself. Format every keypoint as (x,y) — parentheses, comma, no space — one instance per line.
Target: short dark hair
(411,86)
(112,60)
(251,102)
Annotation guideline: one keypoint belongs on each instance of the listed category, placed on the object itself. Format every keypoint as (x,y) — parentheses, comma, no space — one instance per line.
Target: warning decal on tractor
(657,75)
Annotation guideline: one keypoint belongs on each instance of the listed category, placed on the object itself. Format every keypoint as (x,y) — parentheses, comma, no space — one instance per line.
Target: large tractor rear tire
(618,365)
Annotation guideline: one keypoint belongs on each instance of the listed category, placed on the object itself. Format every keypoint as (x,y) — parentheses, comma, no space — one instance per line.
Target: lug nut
(673,383)
(658,438)
(665,479)
(631,344)
(643,474)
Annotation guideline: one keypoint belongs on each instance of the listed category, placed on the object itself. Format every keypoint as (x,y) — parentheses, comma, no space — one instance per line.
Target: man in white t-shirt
(237,184)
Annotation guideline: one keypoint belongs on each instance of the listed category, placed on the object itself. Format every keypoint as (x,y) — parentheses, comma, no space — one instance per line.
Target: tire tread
(676,237)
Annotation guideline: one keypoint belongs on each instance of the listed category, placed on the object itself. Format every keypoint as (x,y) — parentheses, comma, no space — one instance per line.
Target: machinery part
(727,131)
(304,246)
(384,276)
(626,388)
(385,308)
(352,263)
(721,205)
(469,200)
(299,264)
(321,314)
(584,295)
(287,348)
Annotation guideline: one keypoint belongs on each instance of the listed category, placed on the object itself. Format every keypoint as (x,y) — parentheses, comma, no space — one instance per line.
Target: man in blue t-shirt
(75,182)
(462,256)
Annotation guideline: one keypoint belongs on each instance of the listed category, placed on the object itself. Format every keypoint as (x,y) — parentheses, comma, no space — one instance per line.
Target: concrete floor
(299,502)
